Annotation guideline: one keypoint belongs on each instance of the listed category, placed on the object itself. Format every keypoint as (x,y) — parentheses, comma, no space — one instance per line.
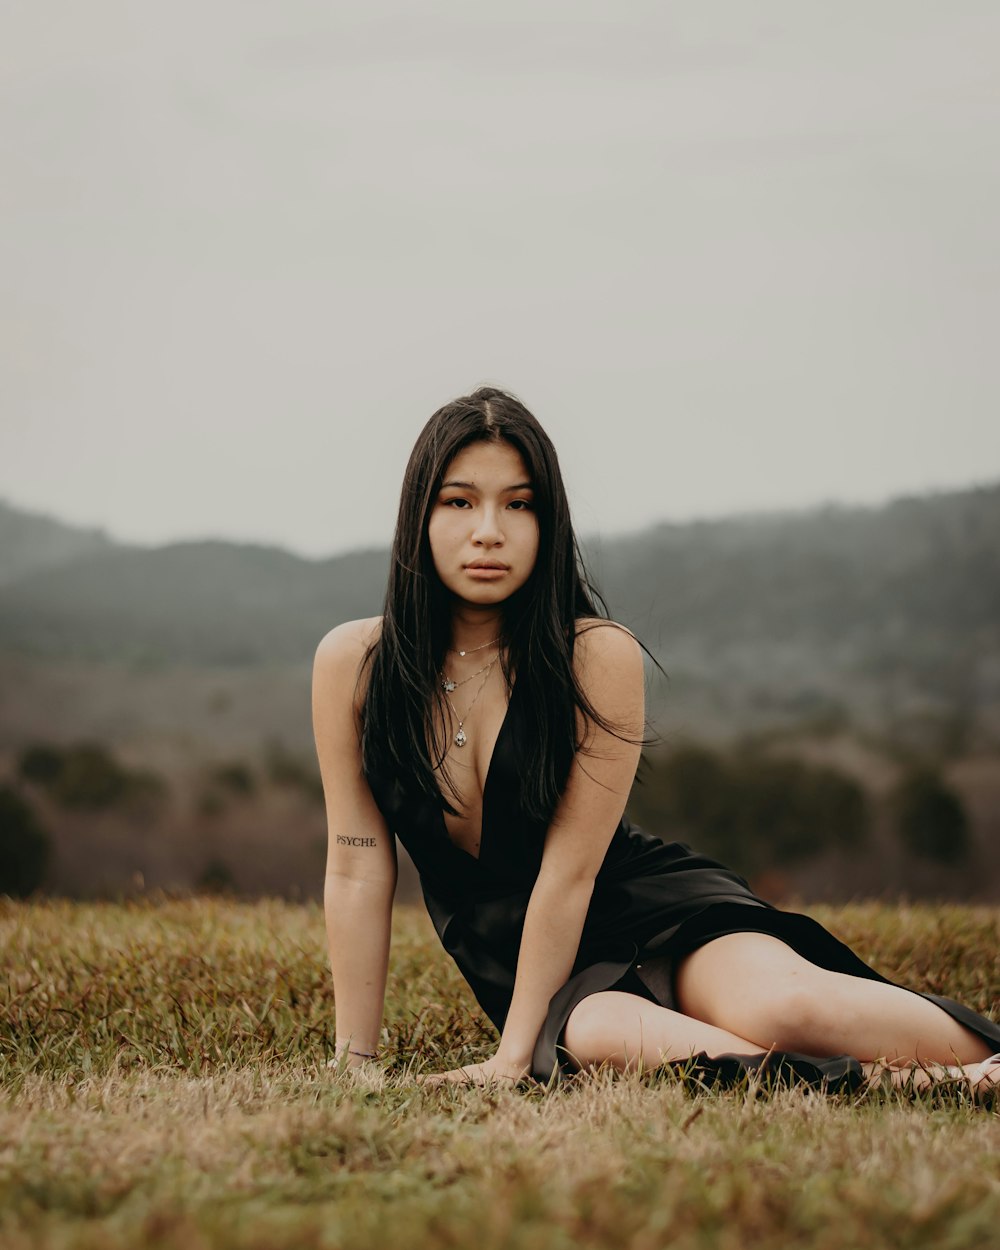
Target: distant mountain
(30,541)
(199,602)
(875,611)
(887,618)
(930,563)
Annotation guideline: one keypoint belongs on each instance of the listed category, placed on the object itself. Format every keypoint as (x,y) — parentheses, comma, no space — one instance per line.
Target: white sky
(732,255)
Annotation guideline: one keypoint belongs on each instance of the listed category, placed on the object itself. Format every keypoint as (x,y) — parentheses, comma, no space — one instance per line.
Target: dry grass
(166,1085)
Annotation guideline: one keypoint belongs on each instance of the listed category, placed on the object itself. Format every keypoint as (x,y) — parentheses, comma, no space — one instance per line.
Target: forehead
(494,464)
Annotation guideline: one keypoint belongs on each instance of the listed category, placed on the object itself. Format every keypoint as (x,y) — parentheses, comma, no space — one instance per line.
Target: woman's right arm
(361,855)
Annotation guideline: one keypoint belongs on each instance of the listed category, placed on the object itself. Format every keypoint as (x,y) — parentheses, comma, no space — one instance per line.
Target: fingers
(457,1076)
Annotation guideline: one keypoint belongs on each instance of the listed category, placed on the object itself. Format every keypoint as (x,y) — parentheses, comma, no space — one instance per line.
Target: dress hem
(551,1060)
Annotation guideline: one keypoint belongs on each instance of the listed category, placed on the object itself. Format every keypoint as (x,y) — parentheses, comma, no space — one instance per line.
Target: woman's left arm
(608,663)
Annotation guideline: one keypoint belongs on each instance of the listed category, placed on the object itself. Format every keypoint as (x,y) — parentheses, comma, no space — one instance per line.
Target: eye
(457,502)
(520,505)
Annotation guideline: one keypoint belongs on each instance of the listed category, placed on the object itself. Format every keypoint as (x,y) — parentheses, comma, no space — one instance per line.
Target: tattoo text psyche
(343,840)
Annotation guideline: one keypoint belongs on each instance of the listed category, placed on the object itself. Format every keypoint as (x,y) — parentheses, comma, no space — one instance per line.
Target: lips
(488,564)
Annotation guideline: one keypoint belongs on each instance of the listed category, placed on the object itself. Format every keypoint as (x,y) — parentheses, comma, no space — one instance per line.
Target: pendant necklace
(448,684)
(469,650)
(461,738)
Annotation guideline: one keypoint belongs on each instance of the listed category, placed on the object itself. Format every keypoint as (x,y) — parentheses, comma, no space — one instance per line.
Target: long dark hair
(403,702)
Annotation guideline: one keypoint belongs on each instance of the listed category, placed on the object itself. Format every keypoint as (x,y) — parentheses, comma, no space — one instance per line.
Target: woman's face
(482,529)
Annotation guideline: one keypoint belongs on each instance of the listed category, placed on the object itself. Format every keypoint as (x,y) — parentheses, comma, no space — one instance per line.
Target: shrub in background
(929,817)
(234,776)
(87,775)
(750,810)
(25,847)
(41,763)
(285,769)
(216,878)
(90,778)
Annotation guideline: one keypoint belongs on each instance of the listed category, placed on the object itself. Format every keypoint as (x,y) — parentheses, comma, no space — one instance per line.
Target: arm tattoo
(342,840)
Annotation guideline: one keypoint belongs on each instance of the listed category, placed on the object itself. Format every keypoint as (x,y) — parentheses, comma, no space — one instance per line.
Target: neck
(471,627)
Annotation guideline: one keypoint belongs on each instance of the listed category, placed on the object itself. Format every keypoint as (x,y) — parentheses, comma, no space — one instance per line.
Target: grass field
(165,1080)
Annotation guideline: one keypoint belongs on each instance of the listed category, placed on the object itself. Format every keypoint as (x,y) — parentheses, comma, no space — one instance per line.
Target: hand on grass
(490,1072)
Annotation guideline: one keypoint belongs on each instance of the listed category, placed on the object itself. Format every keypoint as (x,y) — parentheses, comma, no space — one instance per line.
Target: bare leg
(749,992)
(627,1031)
(758,987)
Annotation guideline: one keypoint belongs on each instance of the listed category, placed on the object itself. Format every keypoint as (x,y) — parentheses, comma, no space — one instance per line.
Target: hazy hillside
(925,564)
(872,636)
(197,602)
(918,563)
(29,541)
(888,617)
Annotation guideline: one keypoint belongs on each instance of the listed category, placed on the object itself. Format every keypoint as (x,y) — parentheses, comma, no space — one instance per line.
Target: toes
(985,1078)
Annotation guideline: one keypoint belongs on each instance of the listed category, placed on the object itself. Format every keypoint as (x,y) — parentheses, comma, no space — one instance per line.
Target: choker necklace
(461,738)
(448,684)
(469,650)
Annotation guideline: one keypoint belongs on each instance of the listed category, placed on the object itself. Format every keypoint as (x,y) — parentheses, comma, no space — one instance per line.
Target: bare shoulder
(607,659)
(338,658)
(349,640)
(603,645)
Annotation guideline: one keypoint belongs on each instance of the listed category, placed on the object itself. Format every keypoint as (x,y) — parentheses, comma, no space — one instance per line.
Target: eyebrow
(473,486)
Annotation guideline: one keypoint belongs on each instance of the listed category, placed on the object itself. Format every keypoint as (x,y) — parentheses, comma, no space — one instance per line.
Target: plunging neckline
(486,786)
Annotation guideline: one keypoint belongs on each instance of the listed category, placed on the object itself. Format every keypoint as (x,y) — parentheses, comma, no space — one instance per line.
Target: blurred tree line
(752,810)
(86,777)
(755,812)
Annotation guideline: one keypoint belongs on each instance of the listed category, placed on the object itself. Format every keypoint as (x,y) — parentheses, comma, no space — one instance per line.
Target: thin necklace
(461,738)
(469,650)
(448,684)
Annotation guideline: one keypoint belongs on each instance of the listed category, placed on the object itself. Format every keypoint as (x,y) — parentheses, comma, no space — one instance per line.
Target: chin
(487,597)
(488,594)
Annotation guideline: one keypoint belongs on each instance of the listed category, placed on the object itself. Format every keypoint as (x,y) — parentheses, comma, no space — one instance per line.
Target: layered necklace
(449,686)
(470,650)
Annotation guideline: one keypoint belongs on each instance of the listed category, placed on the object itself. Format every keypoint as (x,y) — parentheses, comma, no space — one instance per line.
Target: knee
(586,1035)
(787,1015)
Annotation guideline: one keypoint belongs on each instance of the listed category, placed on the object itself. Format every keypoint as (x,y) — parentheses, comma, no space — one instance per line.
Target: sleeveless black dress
(653,902)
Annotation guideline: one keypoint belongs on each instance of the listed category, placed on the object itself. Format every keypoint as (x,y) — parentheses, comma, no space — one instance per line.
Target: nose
(488,531)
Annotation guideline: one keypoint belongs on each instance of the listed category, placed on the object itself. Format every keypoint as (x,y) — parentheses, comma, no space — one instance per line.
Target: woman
(492,718)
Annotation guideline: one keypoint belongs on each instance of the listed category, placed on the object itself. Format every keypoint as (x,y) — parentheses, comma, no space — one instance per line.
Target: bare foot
(981,1079)
(984,1078)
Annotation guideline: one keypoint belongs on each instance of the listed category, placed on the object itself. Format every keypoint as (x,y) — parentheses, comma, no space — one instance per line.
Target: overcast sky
(733,256)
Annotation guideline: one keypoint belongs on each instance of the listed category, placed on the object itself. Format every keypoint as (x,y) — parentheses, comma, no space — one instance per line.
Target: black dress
(653,902)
